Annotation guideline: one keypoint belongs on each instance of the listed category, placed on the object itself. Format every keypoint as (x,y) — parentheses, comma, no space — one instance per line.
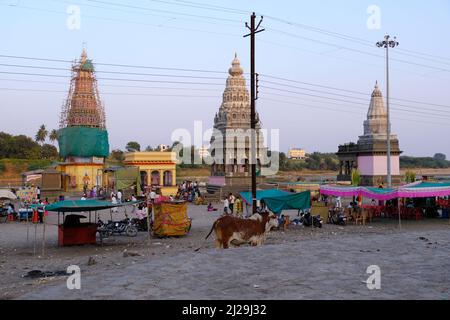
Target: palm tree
(41,135)
(53,135)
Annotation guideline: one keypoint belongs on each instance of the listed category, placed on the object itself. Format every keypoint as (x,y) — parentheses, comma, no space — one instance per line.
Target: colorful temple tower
(82,136)
(369,155)
(231,134)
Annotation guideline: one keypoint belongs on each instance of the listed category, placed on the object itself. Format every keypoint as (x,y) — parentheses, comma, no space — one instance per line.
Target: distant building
(157,169)
(163,147)
(369,155)
(203,151)
(296,153)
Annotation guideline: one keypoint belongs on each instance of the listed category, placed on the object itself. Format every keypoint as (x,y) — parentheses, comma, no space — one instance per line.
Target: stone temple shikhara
(369,155)
(230,141)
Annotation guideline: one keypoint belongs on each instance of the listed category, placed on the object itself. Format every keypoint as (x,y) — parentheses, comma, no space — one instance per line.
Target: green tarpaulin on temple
(83,142)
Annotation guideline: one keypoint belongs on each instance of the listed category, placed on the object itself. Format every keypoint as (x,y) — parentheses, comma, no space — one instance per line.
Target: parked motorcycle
(141,224)
(117,227)
(307,220)
(336,216)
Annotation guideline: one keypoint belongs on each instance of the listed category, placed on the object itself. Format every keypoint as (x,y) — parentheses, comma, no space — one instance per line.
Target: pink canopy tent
(414,190)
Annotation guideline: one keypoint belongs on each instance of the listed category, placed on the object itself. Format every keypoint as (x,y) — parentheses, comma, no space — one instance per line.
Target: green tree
(439,156)
(117,154)
(5,144)
(410,176)
(41,135)
(53,136)
(49,152)
(149,148)
(282,160)
(133,146)
(23,147)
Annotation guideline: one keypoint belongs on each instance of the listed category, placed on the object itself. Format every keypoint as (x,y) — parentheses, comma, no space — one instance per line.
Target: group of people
(232,204)
(188,191)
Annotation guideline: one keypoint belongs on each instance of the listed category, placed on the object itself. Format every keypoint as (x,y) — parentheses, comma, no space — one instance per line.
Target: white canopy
(7,194)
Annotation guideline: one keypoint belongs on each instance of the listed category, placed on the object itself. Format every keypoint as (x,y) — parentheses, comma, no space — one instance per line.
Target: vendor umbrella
(7,194)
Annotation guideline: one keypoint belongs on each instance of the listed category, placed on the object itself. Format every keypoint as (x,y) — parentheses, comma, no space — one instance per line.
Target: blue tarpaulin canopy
(83,205)
(278,200)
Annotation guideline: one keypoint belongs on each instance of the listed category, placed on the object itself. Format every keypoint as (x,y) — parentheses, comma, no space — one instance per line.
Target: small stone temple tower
(369,155)
(232,133)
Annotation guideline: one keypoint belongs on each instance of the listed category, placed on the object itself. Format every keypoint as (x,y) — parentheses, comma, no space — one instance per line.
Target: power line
(264,81)
(114,72)
(351,97)
(162,11)
(356,50)
(427,114)
(351,91)
(345,111)
(111,93)
(130,22)
(327,54)
(113,79)
(144,13)
(114,64)
(203,6)
(354,39)
(112,85)
(196,70)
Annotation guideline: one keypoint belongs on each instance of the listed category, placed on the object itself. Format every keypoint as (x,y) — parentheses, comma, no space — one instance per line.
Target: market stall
(414,190)
(170,219)
(278,200)
(72,231)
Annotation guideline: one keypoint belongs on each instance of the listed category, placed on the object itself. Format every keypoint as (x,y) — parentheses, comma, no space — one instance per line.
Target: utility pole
(388,43)
(253,31)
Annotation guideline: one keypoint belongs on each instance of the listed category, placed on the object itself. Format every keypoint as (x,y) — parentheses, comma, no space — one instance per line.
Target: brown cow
(234,230)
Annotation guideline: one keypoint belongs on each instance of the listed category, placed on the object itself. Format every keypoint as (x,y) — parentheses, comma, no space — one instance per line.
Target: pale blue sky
(168,33)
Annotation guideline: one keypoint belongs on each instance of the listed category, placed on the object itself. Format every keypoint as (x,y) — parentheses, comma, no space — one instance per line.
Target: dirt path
(300,263)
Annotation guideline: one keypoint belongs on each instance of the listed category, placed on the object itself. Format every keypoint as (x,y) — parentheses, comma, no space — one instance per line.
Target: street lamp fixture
(388,43)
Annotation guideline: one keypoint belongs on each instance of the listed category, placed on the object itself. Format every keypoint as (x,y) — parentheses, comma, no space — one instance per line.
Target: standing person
(232,200)
(38,193)
(338,202)
(226,205)
(119,196)
(86,181)
(40,211)
(238,204)
(152,196)
(114,201)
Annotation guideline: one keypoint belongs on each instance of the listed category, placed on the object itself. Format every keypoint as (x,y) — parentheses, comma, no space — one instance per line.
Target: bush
(38,164)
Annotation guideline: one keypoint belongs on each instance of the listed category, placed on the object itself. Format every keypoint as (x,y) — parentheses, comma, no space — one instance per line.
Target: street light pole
(388,43)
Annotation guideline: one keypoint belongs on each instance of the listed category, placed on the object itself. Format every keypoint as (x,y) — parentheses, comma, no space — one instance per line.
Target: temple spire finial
(83,53)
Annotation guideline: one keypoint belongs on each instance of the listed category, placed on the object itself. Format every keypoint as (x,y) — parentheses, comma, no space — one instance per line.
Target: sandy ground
(301,263)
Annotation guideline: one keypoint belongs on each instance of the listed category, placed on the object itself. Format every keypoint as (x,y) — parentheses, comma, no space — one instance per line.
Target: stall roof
(414,190)
(7,194)
(278,200)
(84,205)
(247,196)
